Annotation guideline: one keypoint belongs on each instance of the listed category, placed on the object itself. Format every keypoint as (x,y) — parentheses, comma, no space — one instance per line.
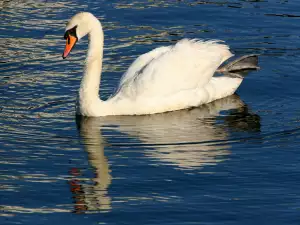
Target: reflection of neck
(94,146)
(89,88)
(103,179)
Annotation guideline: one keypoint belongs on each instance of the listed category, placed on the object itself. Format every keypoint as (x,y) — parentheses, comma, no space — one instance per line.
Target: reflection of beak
(71,41)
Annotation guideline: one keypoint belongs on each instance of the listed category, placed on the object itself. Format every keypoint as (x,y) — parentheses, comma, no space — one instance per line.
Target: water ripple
(231,160)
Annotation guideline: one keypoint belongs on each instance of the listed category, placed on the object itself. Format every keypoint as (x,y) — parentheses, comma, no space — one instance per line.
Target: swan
(165,79)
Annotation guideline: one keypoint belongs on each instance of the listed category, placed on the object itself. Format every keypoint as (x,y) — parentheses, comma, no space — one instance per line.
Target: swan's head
(80,25)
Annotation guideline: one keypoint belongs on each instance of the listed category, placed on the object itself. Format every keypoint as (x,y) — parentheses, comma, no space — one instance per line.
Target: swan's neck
(89,88)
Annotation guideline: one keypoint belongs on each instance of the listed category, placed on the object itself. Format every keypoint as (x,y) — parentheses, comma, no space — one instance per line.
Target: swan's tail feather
(244,63)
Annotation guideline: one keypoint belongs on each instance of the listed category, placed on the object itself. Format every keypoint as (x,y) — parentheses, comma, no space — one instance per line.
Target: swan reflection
(92,196)
(185,139)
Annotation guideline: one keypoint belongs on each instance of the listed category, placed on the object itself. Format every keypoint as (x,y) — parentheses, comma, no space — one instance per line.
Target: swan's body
(164,79)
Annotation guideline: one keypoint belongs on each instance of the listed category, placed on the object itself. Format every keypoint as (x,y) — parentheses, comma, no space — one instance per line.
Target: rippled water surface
(234,161)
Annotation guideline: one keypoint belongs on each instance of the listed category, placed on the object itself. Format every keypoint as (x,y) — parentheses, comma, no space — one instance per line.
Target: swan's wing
(185,66)
(137,66)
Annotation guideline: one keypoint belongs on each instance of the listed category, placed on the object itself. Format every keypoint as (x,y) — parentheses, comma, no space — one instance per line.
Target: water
(234,161)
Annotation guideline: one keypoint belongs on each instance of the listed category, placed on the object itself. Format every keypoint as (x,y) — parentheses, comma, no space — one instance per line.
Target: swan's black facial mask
(71,38)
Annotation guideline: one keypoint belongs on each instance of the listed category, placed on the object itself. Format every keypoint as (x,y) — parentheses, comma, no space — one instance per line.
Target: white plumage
(164,79)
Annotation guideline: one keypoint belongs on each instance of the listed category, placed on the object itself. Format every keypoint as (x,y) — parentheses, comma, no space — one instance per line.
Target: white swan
(164,79)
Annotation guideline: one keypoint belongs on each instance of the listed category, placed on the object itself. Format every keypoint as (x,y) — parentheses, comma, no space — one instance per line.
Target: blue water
(234,161)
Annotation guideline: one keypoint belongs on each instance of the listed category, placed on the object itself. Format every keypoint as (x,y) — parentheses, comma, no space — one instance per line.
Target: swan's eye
(71,32)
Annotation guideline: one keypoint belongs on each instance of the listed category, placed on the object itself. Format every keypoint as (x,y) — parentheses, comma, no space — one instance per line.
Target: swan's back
(166,71)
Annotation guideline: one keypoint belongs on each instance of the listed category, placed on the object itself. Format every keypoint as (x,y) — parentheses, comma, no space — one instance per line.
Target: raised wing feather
(141,62)
(185,66)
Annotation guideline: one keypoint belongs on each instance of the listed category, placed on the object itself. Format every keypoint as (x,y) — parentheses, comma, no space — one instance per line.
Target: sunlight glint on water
(235,161)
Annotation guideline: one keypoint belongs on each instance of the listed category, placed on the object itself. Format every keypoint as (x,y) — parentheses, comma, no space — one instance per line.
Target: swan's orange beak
(70,43)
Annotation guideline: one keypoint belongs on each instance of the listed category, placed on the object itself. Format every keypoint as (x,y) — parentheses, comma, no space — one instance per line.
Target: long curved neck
(89,88)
